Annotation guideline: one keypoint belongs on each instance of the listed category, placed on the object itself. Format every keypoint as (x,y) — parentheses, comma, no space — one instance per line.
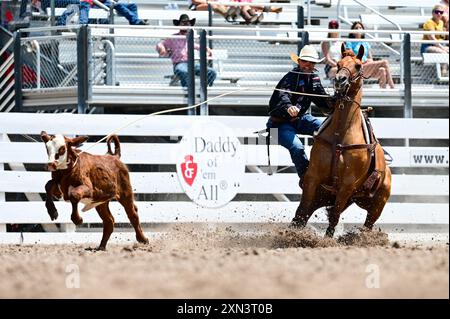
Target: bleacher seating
(253,63)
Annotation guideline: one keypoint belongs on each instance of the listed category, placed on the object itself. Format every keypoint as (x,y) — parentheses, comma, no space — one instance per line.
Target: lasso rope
(185,108)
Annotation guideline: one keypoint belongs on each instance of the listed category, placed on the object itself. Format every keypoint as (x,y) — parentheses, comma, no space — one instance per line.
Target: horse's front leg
(309,203)
(342,202)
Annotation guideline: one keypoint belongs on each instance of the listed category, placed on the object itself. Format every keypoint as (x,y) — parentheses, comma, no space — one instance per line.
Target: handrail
(237,29)
(112,56)
(371,9)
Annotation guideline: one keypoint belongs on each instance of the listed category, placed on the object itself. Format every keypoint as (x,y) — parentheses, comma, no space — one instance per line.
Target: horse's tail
(115,139)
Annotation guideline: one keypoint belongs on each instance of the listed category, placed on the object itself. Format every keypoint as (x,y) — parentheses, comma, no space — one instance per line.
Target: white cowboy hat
(308,53)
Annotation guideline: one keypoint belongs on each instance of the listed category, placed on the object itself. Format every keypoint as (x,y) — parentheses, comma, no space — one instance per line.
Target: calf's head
(59,150)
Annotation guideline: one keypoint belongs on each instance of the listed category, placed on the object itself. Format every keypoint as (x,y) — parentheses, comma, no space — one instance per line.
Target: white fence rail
(407,205)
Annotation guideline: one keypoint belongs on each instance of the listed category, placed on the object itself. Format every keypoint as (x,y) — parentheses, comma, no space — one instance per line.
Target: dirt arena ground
(223,263)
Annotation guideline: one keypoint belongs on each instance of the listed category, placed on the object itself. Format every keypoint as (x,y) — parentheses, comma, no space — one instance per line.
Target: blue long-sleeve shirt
(297,81)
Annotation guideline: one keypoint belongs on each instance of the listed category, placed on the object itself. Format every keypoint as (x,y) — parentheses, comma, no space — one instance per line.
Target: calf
(93,180)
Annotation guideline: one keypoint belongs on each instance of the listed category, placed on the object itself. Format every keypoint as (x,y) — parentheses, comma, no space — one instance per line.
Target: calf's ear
(77,141)
(45,137)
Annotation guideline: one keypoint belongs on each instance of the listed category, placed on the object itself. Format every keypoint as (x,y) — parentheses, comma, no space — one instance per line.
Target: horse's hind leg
(375,205)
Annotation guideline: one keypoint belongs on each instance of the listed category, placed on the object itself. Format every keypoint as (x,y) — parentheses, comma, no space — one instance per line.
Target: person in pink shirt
(177,50)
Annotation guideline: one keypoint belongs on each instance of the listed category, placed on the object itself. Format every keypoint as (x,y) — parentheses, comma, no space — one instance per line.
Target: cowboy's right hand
(293,110)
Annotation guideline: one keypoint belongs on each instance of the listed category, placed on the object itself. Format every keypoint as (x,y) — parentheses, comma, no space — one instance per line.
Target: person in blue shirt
(371,69)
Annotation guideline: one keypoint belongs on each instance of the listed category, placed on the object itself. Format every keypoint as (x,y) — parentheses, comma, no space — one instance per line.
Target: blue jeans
(287,137)
(181,70)
(84,11)
(127,10)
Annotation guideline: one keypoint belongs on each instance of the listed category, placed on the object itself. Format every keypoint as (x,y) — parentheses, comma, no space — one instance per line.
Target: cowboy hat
(183,17)
(308,53)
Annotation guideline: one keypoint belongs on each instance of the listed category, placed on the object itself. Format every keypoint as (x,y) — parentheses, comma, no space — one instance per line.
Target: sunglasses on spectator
(438,11)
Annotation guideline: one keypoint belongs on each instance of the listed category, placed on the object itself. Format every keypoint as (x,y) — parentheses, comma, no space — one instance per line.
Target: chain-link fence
(124,60)
(49,61)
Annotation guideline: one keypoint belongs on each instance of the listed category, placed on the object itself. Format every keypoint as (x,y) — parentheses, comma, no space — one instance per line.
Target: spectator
(288,111)
(127,10)
(177,50)
(202,5)
(250,12)
(436,23)
(332,50)
(371,69)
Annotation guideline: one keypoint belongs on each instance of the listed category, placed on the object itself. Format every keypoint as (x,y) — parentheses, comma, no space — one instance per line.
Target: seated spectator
(436,23)
(177,50)
(371,69)
(332,50)
(202,5)
(127,10)
(250,12)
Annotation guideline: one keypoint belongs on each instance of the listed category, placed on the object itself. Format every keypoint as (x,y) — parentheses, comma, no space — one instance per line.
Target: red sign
(189,169)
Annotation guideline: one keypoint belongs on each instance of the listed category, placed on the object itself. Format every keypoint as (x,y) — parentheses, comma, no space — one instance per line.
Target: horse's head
(349,73)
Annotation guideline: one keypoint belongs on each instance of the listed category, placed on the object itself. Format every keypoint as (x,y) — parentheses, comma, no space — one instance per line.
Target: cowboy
(177,50)
(287,109)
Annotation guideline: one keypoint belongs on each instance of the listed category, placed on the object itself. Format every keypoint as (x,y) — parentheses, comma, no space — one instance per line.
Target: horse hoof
(329,233)
(143,240)
(296,225)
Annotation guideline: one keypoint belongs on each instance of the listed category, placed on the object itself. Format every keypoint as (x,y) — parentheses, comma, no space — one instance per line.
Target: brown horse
(344,167)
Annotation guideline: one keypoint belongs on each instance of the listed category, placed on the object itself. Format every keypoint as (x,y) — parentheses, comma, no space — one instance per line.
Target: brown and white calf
(93,180)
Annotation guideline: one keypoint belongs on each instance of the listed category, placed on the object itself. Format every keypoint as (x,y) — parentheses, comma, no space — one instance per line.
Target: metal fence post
(82,69)
(408,111)
(210,23)
(191,71)
(300,25)
(305,39)
(18,76)
(111,13)
(52,13)
(203,74)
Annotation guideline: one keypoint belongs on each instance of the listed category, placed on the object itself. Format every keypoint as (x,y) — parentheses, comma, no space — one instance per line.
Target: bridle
(350,79)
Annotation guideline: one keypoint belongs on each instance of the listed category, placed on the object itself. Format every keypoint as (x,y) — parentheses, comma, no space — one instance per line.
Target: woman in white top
(332,50)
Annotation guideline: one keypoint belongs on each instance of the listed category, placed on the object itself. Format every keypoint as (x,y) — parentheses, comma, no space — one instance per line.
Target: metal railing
(127,59)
